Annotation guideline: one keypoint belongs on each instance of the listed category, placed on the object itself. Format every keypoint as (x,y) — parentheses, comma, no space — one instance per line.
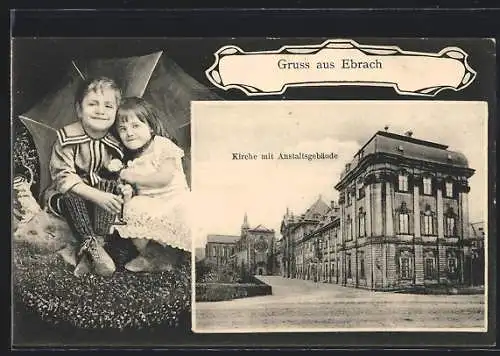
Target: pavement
(299,305)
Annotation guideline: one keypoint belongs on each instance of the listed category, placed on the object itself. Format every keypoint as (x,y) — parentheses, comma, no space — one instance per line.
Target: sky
(225,189)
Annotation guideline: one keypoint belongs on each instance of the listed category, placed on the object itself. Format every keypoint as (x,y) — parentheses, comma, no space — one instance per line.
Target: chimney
(332,204)
(386,128)
(409,133)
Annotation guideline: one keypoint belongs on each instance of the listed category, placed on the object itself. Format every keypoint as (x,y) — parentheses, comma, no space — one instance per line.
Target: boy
(79,157)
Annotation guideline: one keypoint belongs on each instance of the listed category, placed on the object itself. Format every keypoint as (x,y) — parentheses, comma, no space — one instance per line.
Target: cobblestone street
(299,305)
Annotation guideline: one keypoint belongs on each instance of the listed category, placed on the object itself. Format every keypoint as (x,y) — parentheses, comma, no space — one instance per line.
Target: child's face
(97,110)
(133,133)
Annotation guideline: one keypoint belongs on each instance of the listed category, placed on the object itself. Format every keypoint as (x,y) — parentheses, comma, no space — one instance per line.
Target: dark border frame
(339,23)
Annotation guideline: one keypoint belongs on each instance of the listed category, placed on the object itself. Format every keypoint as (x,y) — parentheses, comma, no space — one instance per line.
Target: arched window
(449,223)
(428,221)
(404,219)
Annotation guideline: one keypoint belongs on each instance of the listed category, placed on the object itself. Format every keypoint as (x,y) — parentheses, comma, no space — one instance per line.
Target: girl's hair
(145,112)
(96,85)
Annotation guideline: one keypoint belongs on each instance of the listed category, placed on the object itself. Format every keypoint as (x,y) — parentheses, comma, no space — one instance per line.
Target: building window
(452,264)
(427,183)
(349,228)
(360,191)
(348,265)
(403,182)
(404,227)
(429,265)
(348,198)
(361,223)
(450,226)
(449,189)
(361,258)
(404,219)
(428,222)
(406,265)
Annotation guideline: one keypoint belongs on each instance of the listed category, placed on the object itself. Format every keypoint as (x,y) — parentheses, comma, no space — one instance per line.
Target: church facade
(255,250)
(401,220)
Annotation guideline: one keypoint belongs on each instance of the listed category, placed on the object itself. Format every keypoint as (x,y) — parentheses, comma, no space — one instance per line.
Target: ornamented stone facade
(402,221)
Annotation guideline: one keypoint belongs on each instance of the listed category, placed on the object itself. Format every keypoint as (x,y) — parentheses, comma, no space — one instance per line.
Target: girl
(80,155)
(156,217)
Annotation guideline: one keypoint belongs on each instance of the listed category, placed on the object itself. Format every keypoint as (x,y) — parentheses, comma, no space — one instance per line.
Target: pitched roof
(261,228)
(225,239)
(318,207)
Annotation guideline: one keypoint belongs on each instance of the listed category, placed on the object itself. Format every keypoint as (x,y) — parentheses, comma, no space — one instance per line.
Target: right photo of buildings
(401,221)
(333,216)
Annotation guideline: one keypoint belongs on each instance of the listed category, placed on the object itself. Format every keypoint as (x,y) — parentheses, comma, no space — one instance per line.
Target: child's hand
(110,202)
(126,190)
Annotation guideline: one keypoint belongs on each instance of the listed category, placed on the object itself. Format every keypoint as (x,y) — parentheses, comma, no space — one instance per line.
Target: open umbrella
(45,284)
(154,77)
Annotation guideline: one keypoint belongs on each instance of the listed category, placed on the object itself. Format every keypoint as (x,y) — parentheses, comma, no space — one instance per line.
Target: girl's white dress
(159,214)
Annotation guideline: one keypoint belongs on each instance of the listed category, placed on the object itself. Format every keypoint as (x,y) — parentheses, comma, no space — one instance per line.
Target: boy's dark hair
(145,112)
(96,84)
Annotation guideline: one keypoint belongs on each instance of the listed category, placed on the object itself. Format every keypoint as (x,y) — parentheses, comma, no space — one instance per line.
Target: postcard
(276,191)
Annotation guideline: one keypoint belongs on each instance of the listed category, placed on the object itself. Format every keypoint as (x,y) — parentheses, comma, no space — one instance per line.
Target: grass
(51,306)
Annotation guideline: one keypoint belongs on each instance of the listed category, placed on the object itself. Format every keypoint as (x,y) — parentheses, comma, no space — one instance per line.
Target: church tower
(245,226)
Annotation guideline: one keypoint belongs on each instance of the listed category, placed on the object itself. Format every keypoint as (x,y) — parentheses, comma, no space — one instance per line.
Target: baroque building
(401,222)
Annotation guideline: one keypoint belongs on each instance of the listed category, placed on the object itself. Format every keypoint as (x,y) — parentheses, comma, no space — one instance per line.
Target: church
(255,249)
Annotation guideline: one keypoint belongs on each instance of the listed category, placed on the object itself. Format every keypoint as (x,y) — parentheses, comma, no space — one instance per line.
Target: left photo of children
(101,236)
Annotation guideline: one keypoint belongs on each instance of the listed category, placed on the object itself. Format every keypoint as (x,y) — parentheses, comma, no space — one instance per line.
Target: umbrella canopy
(154,77)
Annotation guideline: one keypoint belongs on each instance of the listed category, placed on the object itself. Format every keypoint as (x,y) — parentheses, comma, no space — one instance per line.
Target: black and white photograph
(101,189)
(340,216)
(251,191)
